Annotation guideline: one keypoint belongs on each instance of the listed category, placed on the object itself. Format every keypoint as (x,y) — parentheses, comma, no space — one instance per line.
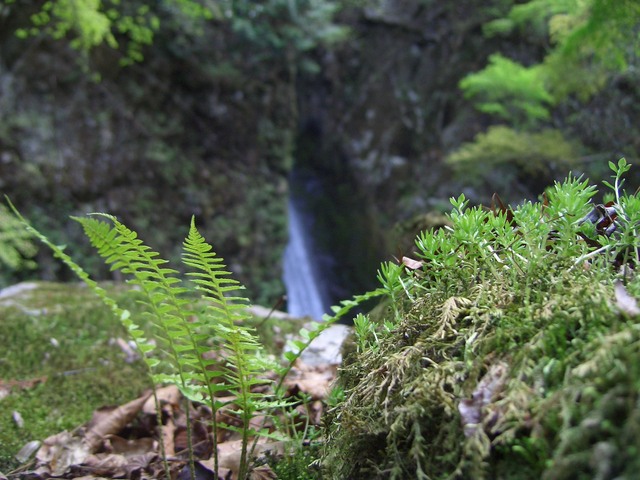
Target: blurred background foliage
(588,51)
(154,111)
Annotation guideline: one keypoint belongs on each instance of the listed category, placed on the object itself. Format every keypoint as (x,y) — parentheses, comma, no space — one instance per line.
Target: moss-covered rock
(505,355)
(62,357)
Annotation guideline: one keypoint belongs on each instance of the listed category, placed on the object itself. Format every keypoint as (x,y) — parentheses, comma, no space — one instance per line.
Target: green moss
(533,153)
(509,356)
(63,334)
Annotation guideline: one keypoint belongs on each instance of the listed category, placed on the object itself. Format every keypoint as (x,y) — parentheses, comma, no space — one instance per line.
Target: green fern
(15,242)
(184,334)
(183,337)
(137,334)
(121,248)
(228,312)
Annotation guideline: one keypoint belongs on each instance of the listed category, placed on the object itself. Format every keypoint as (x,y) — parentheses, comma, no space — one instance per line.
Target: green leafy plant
(591,40)
(509,91)
(579,53)
(91,23)
(619,238)
(364,329)
(539,153)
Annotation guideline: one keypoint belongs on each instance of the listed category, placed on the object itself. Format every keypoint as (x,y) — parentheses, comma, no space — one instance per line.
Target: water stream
(306,289)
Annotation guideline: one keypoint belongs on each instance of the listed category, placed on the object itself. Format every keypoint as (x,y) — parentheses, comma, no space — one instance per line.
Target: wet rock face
(152,144)
(388,105)
(195,129)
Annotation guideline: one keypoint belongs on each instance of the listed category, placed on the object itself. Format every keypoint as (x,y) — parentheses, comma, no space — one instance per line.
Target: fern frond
(121,248)
(170,310)
(144,346)
(15,241)
(228,311)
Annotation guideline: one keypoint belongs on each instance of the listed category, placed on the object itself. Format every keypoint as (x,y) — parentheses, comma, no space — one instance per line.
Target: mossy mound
(62,357)
(513,352)
(65,354)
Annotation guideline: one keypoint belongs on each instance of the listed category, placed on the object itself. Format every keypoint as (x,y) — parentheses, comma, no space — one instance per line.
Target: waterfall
(306,291)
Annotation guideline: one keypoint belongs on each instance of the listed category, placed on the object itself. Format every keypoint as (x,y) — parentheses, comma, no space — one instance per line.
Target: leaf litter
(124,441)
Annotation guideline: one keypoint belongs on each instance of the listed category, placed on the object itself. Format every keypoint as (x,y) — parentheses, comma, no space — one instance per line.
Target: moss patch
(506,355)
(65,336)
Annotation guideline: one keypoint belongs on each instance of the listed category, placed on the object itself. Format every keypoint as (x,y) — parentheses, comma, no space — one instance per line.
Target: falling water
(306,292)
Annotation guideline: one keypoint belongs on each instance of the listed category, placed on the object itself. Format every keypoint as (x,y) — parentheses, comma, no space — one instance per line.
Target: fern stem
(163,452)
(210,279)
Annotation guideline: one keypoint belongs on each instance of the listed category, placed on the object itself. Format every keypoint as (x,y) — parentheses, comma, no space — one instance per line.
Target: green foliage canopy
(276,24)
(532,152)
(587,43)
(508,90)
(590,40)
(90,23)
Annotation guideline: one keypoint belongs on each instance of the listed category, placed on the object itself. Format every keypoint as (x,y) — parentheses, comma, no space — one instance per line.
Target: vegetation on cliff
(589,55)
(219,100)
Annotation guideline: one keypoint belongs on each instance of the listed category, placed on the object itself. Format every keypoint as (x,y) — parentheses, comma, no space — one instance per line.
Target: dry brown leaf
(314,380)
(27,451)
(223,473)
(263,472)
(201,440)
(138,463)
(129,448)
(169,397)
(412,264)
(167,433)
(111,465)
(111,422)
(229,454)
(472,409)
(59,452)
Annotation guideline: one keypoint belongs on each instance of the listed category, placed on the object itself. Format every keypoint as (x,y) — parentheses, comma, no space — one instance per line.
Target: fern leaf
(228,310)
(15,241)
(134,330)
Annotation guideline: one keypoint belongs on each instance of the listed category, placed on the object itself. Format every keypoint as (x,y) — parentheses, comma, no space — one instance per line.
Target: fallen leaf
(314,380)
(412,264)
(169,397)
(624,301)
(111,421)
(27,450)
(17,418)
(111,465)
(168,432)
(263,472)
(472,409)
(129,448)
(139,463)
(229,454)
(59,452)
(498,207)
(201,472)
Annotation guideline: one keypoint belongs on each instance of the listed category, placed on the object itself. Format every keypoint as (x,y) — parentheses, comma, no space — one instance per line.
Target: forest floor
(66,365)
